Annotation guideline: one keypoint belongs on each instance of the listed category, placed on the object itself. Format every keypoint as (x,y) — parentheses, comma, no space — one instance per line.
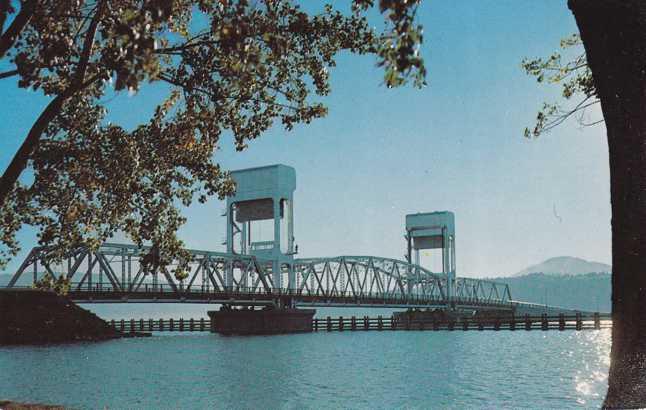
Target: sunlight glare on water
(592,380)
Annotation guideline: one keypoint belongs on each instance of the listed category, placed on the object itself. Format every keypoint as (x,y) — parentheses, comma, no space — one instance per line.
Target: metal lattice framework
(113,273)
(358,275)
(117,267)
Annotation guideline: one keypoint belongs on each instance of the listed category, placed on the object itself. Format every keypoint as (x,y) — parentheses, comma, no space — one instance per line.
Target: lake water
(318,370)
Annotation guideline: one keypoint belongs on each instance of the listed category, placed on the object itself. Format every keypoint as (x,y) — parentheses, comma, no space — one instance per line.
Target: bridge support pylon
(229,321)
(263,194)
(434,230)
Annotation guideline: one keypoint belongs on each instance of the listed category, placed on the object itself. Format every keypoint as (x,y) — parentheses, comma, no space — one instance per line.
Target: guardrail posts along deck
(496,324)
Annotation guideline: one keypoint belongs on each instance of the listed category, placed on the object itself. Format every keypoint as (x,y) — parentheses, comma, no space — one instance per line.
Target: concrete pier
(261,322)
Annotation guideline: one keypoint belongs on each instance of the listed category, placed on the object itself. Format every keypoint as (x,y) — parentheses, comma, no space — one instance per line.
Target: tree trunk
(20,160)
(614,36)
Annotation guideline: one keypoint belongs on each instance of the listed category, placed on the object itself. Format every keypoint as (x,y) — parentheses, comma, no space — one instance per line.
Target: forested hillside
(589,291)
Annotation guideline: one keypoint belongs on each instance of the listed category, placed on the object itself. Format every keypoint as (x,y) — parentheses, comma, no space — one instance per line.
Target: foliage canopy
(60,285)
(234,66)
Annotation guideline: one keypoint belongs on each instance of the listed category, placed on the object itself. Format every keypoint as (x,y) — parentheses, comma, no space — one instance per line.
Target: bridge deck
(259,297)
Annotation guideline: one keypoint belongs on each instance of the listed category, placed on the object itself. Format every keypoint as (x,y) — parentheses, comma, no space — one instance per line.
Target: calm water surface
(319,370)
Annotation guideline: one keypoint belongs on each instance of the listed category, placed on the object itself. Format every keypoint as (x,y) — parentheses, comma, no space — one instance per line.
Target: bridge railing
(561,322)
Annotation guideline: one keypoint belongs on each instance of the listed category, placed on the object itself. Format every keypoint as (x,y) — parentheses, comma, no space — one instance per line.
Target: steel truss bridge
(113,274)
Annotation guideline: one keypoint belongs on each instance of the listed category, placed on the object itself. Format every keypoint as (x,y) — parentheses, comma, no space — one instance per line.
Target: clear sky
(455,145)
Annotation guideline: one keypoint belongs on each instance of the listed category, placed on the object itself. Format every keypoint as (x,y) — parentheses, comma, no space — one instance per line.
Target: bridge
(114,274)
(265,271)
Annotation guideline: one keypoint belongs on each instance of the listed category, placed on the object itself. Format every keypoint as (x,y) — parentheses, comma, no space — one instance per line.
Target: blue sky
(454,145)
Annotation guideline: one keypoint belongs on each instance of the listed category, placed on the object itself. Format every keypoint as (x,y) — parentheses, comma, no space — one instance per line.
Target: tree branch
(7,74)
(215,98)
(88,42)
(564,115)
(20,160)
(179,48)
(5,9)
(8,38)
(589,124)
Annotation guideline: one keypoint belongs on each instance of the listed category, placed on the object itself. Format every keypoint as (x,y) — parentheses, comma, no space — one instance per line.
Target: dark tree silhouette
(614,37)
(612,72)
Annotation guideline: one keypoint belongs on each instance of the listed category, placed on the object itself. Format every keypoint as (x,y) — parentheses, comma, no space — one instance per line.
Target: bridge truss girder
(357,275)
(116,268)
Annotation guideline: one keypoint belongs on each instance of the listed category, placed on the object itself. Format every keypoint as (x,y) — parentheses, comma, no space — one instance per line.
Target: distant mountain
(566,265)
(588,291)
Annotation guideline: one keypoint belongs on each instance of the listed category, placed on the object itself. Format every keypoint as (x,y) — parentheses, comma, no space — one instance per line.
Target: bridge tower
(263,193)
(433,230)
